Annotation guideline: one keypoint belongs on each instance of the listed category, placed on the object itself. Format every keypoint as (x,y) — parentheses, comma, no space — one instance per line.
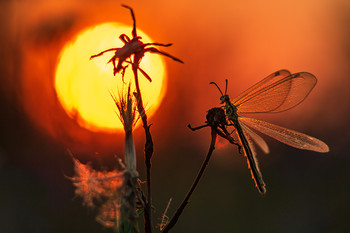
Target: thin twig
(148,150)
(178,213)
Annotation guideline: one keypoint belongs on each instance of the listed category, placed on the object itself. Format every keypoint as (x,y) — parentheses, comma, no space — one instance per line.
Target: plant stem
(176,216)
(148,150)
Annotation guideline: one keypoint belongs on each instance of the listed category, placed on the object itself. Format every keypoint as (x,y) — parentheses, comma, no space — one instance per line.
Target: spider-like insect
(134,47)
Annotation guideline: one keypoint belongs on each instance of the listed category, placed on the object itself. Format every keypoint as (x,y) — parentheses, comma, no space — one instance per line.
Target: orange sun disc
(84,87)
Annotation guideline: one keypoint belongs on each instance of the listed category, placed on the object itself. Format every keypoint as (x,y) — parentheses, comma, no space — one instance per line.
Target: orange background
(243,41)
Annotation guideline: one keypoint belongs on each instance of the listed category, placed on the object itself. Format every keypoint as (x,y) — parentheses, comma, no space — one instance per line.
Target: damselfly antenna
(219,87)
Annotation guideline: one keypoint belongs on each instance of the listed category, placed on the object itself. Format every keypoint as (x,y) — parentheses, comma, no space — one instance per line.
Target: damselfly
(278,92)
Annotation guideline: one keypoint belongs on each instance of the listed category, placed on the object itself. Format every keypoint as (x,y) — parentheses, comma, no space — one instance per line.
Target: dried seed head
(93,185)
(127,114)
(126,105)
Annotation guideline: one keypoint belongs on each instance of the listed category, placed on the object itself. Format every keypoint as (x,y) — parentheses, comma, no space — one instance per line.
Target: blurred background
(243,41)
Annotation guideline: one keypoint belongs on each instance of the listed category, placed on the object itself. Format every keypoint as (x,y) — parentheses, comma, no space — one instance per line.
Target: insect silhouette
(277,92)
(134,47)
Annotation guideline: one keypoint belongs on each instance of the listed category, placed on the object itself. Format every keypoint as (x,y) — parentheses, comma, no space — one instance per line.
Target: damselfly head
(224,99)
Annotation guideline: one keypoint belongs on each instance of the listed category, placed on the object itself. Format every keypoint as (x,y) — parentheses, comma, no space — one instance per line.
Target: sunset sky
(242,41)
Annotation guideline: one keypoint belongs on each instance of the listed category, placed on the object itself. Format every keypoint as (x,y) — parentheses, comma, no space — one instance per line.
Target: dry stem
(178,213)
(148,150)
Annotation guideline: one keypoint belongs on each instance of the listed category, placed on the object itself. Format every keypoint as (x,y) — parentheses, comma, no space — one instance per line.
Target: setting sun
(84,87)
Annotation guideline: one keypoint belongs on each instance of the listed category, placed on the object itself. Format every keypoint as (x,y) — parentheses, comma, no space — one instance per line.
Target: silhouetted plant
(132,53)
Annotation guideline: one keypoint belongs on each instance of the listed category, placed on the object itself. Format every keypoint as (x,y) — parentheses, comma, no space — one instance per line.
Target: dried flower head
(127,114)
(115,191)
(127,109)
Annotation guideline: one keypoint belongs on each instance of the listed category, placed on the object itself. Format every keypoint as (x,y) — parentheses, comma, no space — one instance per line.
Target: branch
(178,213)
